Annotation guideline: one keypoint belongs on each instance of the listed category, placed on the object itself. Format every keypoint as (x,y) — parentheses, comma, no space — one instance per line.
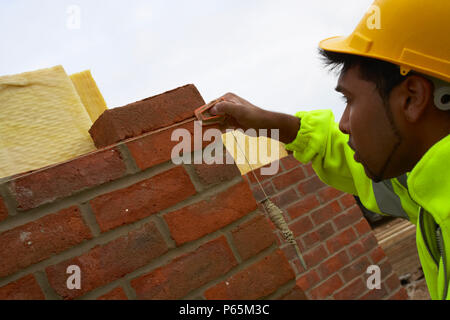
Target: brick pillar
(136,225)
(337,242)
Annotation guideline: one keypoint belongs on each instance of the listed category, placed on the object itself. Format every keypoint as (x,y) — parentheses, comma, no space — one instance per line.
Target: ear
(414,95)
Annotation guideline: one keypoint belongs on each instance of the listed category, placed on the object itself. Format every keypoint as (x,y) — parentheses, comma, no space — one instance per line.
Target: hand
(241,114)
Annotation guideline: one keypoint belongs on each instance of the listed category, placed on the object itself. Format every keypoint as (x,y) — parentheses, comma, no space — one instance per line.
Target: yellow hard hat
(414,34)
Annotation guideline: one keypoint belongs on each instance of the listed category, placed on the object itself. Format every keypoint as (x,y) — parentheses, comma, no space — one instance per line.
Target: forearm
(287,125)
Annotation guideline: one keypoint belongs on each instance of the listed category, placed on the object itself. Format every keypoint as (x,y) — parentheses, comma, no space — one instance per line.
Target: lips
(355,155)
(351,146)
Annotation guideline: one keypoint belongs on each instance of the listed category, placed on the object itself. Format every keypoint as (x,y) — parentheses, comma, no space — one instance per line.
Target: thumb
(223,108)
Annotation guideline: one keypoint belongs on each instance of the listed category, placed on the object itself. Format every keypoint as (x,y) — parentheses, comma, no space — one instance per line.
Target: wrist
(289,132)
(287,125)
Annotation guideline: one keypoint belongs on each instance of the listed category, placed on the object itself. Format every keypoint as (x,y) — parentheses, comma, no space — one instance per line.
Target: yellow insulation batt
(42,121)
(89,93)
(247,155)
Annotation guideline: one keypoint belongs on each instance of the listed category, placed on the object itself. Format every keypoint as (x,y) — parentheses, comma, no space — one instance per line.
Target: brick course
(106,263)
(142,199)
(147,115)
(39,240)
(187,272)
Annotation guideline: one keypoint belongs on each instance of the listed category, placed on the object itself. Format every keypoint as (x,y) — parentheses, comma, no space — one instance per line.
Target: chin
(376,179)
(371,176)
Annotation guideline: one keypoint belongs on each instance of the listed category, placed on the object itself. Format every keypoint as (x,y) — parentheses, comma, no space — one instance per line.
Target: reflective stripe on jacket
(421,196)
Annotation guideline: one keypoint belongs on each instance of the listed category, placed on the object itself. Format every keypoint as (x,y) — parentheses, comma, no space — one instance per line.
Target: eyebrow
(341,89)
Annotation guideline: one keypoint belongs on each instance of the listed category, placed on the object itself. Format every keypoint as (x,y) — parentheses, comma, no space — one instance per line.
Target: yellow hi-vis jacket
(422,196)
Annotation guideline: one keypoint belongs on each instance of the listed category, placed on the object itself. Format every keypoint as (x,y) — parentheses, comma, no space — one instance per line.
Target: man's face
(367,120)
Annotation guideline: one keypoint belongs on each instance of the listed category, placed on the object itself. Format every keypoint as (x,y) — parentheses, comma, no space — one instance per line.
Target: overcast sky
(262,50)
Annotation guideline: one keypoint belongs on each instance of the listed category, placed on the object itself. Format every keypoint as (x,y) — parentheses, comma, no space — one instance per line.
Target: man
(392,145)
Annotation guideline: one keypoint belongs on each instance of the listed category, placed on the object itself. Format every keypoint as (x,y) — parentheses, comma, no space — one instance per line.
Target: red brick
(328,194)
(303,206)
(142,199)
(252,237)
(363,227)
(295,294)
(386,269)
(310,186)
(315,256)
(370,242)
(288,179)
(148,115)
(186,273)
(341,240)
(375,294)
(115,294)
(289,250)
(325,231)
(327,288)
(348,218)
(260,194)
(311,239)
(393,282)
(377,255)
(356,250)
(333,264)
(352,291)
(327,213)
(3,210)
(308,280)
(257,281)
(155,148)
(41,239)
(285,198)
(400,295)
(25,288)
(109,262)
(258,173)
(289,163)
(321,234)
(309,170)
(211,174)
(347,201)
(356,269)
(199,219)
(301,226)
(66,179)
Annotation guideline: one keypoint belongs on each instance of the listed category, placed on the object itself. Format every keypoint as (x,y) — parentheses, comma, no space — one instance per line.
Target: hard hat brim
(341,45)
(336,44)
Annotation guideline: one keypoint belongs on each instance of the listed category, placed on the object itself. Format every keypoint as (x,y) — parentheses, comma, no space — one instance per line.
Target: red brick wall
(140,227)
(335,239)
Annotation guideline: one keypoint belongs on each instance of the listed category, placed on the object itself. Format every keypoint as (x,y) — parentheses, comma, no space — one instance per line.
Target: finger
(231,123)
(225,108)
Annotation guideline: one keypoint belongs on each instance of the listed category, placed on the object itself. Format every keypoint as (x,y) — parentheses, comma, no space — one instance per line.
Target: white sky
(262,50)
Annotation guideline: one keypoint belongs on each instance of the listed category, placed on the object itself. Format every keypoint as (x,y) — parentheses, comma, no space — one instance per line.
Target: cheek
(360,131)
(372,135)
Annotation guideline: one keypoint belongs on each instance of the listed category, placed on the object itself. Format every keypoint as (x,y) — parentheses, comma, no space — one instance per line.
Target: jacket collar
(429,181)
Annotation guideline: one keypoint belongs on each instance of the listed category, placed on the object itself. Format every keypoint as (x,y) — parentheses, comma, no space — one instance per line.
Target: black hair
(385,75)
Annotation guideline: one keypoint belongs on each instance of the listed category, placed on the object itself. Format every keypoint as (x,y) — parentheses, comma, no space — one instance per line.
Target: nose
(344,123)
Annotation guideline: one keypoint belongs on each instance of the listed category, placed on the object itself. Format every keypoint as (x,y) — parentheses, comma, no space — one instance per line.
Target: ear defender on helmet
(441,94)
